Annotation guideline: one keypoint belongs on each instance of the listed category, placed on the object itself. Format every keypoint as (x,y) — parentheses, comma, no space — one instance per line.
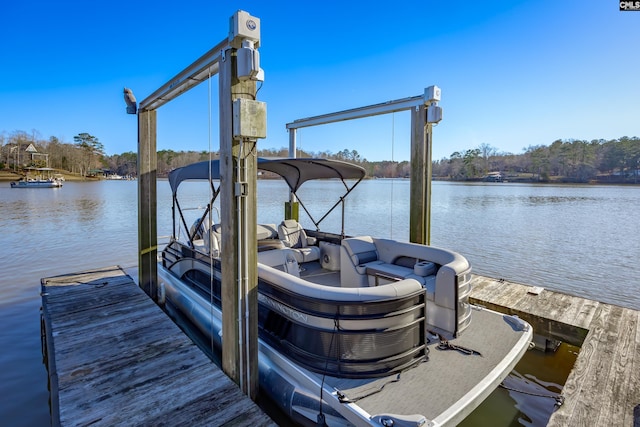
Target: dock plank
(619,378)
(632,416)
(506,295)
(582,369)
(592,393)
(603,387)
(484,287)
(553,315)
(635,389)
(115,358)
(584,316)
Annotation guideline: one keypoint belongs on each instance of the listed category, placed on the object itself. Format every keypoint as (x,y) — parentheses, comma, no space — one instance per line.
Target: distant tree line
(573,160)
(616,160)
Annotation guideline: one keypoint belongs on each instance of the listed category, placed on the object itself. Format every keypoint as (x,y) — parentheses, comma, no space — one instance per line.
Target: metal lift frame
(242,122)
(424,113)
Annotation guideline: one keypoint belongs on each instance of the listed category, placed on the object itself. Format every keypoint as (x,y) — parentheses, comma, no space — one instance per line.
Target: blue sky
(513,73)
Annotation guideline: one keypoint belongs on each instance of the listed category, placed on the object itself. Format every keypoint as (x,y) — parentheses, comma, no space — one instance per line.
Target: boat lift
(242,122)
(425,112)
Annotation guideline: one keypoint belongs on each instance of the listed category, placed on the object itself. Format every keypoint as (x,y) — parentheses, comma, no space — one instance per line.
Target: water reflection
(528,395)
(535,399)
(87,210)
(543,200)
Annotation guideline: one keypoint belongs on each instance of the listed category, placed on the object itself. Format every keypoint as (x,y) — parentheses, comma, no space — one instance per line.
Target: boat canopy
(195,171)
(295,171)
(299,170)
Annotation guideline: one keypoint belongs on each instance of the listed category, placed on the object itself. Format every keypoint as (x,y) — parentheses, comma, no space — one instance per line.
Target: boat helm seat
(293,236)
(198,229)
(213,240)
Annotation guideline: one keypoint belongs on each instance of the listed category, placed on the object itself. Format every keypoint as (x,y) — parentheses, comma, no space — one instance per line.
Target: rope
(336,325)
(344,399)
(393,137)
(557,397)
(210,217)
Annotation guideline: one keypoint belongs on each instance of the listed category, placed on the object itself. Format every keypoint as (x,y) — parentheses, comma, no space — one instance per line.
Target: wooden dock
(603,389)
(115,358)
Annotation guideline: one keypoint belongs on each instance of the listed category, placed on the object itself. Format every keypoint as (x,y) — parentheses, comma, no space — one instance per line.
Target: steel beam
(196,73)
(358,113)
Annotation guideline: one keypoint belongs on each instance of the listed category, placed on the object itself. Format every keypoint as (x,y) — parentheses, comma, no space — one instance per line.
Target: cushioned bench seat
(361,266)
(371,262)
(380,273)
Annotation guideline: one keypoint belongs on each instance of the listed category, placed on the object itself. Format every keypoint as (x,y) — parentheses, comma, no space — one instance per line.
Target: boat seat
(356,254)
(361,266)
(293,236)
(212,238)
(266,232)
(280,259)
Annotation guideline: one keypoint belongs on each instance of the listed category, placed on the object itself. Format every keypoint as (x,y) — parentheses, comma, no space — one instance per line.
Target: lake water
(581,240)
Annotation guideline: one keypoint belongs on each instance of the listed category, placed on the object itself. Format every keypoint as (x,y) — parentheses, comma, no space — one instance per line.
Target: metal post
(292,142)
(427,176)
(291,208)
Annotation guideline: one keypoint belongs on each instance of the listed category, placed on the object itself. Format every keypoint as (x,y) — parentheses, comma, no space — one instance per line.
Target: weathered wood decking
(114,358)
(603,389)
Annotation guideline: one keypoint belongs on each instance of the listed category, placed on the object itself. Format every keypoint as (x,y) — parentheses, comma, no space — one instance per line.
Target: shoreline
(8,176)
(553,182)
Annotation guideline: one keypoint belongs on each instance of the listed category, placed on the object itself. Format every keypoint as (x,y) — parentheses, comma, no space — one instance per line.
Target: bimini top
(299,170)
(295,171)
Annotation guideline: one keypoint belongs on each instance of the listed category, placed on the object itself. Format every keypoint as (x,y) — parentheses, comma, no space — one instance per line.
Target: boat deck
(115,358)
(433,387)
(603,389)
(407,393)
(314,273)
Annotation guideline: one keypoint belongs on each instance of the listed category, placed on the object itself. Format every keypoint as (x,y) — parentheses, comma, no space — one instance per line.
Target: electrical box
(241,189)
(248,62)
(434,114)
(249,119)
(243,26)
(432,93)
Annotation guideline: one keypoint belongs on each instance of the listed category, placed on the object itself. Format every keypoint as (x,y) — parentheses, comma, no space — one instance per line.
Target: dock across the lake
(115,358)
(603,389)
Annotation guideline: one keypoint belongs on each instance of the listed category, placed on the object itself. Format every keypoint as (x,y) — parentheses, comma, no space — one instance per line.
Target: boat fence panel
(347,338)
